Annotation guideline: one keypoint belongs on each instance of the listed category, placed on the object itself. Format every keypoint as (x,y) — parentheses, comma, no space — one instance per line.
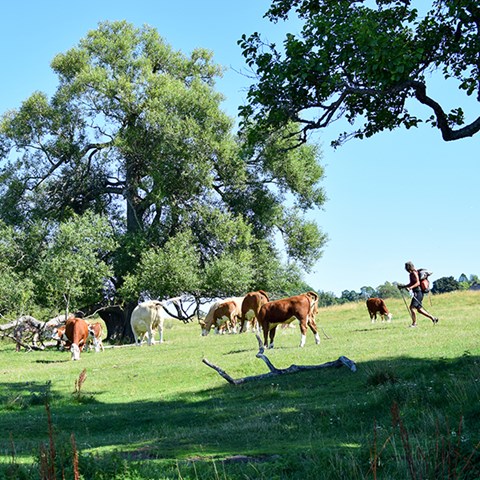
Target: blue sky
(399,196)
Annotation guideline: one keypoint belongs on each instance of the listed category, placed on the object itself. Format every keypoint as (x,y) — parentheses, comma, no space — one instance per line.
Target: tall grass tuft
(447,457)
(47,456)
(79,383)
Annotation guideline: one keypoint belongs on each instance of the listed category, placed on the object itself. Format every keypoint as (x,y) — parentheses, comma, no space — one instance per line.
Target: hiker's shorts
(417,298)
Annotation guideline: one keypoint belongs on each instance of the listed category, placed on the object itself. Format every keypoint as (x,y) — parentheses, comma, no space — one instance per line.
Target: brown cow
(76,331)
(377,305)
(208,323)
(250,307)
(312,314)
(278,312)
(224,313)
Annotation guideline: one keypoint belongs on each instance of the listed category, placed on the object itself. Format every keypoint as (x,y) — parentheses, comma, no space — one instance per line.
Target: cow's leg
(243,324)
(99,345)
(272,336)
(150,339)
(160,332)
(234,324)
(138,339)
(314,329)
(303,330)
(265,334)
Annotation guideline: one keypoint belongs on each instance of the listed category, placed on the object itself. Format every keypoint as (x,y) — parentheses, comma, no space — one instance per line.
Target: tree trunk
(117,321)
(133,200)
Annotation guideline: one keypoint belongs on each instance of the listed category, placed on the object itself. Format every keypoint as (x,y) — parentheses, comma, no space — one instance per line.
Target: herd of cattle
(253,312)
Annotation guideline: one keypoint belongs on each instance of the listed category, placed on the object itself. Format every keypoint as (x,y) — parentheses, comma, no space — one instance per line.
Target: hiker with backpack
(418,286)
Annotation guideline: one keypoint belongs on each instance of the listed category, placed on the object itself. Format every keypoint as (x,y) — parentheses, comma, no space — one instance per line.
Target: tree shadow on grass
(325,411)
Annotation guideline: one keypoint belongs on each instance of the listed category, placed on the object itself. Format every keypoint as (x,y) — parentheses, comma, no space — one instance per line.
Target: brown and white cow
(95,334)
(377,305)
(222,312)
(286,310)
(146,318)
(225,317)
(250,307)
(313,296)
(76,333)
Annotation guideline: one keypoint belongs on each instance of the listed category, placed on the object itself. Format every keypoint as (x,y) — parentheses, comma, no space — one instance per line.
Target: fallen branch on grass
(26,332)
(342,361)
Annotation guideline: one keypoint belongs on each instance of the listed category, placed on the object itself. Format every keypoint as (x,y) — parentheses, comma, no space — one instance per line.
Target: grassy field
(412,409)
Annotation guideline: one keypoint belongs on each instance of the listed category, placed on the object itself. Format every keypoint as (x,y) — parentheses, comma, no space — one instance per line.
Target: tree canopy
(134,134)
(367,63)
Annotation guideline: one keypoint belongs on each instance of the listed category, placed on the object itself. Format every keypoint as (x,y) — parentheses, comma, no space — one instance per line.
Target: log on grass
(340,362)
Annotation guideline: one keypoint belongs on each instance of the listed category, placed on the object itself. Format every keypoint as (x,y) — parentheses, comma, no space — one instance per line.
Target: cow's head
(59,334)
(75,351)
(55,334)
(202,326)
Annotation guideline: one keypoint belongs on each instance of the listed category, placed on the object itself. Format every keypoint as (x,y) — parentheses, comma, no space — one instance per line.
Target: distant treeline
(390,290)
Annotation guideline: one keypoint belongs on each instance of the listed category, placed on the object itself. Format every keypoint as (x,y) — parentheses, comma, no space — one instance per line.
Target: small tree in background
(326,299)
(349,296)
(73,267)
(444,285)
(367,292)
(388,290)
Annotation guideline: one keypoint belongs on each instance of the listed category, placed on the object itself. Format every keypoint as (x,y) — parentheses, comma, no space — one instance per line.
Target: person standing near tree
(416,303)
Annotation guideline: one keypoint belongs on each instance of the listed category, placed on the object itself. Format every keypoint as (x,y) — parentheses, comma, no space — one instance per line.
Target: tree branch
(340,362)
(448,134)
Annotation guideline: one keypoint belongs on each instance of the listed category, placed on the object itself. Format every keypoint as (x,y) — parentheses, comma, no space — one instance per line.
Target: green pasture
(412,409)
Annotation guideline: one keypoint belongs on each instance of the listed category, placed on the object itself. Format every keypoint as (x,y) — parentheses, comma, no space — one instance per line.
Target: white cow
(146,317)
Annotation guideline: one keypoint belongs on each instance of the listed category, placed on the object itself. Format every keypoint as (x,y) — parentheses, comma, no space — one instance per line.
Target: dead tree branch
(26,332)
(340,362)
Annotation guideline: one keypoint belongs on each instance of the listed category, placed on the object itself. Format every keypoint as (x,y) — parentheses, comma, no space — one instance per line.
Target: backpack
(423,275)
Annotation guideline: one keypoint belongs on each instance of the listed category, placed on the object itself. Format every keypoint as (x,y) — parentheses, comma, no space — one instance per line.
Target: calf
(58,334)
(95,333)
(146,317)
(285,311)
(377,305)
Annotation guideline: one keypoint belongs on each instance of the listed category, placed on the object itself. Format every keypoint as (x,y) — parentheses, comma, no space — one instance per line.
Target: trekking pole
(429,298)
(406,306)
(326,336)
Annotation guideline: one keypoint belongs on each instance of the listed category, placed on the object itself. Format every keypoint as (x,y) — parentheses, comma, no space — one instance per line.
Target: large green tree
(367,62)
(135,132)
